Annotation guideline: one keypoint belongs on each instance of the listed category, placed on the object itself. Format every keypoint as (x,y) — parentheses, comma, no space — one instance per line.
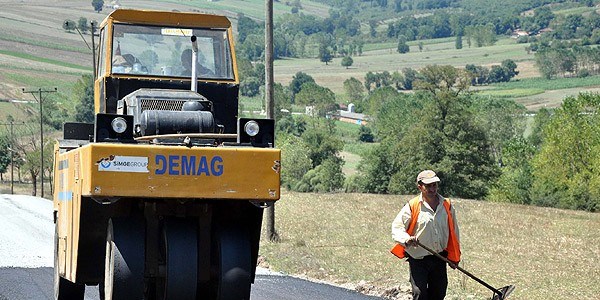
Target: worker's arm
(399,226)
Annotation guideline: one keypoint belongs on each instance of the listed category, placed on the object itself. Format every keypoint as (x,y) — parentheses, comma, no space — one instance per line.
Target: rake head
(506,291)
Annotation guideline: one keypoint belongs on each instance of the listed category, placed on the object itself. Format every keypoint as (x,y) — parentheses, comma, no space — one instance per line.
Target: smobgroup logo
(116,163)
(105,161)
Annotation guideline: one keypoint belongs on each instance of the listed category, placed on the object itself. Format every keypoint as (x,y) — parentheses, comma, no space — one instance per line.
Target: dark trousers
(428,278)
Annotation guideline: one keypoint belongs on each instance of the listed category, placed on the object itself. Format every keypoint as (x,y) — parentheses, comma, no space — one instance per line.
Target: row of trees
(567,60)
(405,79)
(82,24)
(497,73)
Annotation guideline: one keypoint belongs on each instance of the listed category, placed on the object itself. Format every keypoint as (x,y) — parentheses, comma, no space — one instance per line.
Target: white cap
(427,177)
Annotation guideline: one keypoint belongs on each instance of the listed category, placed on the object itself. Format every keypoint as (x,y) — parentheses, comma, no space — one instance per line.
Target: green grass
(382,59)
(38,81)
(359,148)
(348,132)
(256,8)
(549,84)
(536,93)
(252,103)
(512,93)
(43,43)
(345,238)
(44,60)
(571,8)
(9,109)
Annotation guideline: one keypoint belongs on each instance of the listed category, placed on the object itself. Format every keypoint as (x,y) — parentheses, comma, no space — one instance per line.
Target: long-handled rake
(499,294)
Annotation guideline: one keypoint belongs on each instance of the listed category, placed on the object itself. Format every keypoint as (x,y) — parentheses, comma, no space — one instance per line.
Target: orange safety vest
(453,247)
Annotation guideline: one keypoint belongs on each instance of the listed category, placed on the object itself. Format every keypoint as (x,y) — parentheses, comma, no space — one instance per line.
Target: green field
(382,59)
(345,238)
(255,8)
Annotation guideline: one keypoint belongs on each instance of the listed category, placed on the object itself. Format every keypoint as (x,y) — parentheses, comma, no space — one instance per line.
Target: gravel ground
(30,247)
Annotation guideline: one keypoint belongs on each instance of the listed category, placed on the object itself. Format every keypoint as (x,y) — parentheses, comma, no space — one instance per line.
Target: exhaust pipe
(194,84)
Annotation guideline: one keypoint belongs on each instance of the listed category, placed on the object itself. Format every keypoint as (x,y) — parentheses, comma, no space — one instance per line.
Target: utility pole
(271,233)
(12,155)
(33,92)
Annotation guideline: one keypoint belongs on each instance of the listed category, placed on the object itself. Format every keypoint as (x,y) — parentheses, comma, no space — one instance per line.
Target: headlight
(251,128)
(256,132)
(119,125)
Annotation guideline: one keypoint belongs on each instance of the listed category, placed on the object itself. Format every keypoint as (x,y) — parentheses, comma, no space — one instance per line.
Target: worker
(429,219)
(186,62)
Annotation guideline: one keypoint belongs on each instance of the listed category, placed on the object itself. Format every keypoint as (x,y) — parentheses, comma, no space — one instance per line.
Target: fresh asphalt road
(26,259)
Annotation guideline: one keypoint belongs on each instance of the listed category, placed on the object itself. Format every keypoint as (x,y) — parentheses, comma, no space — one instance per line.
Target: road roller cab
(162,196)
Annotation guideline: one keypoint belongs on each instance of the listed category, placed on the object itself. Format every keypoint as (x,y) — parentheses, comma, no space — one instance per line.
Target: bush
(365,134)
(250,87)
(583,73)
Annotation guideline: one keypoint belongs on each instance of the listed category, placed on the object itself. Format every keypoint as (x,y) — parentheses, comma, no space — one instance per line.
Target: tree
(497,74)
(402,45)
(298,80)
(354,90)
(410,75)
(253,47)
(347,61)
(321,98)
(372,28)
(283,100)
(29,149)
(294,156)
(69,25)
(540,120)
(250,86)
(4,154)
(325,54)
(458,44)
(443,80)
(83,25)
(365,134)
(502,120)
(83,91)
(510,68)
(479,74)
(516,179)
(98,5)
(246,26)
(321,138)
(324,178)
(245,68)
(398,80)
(567,166)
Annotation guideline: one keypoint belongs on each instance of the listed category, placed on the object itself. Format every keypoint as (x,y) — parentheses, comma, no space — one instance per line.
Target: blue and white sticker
(116,163)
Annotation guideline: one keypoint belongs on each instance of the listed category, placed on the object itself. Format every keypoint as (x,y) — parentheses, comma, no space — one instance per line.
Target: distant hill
(36,51)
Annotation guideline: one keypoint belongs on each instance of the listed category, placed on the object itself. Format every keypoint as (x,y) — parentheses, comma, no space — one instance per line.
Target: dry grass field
(345,238)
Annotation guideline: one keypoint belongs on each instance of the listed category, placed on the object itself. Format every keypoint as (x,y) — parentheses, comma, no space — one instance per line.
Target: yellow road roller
(162,196)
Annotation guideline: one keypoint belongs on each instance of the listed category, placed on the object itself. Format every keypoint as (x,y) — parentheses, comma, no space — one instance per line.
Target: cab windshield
(166,51)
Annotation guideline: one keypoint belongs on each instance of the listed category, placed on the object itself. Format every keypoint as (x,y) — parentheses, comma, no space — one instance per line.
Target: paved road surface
(26,259)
